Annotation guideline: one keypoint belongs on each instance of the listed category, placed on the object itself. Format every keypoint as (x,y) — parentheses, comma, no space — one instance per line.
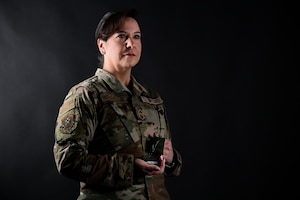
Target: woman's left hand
(168,151)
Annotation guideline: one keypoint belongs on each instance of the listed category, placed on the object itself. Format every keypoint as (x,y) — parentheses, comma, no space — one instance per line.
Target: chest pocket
(118,121)
(151,117)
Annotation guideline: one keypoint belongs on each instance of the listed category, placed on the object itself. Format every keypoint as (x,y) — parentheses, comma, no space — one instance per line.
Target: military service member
(112,134)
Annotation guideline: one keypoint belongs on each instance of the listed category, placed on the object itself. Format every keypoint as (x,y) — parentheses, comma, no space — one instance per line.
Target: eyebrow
(126,32)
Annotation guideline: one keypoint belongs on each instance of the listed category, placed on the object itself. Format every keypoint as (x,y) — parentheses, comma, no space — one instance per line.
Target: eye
(122,36)
(137,36)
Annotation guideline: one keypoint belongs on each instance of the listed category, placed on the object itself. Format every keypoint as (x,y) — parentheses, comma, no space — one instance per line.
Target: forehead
(130,25)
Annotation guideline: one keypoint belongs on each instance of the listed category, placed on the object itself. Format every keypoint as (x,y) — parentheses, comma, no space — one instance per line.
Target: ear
(100,44)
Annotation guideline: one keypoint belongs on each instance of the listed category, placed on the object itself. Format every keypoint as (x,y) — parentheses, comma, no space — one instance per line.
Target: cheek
(139,48)
(114,51)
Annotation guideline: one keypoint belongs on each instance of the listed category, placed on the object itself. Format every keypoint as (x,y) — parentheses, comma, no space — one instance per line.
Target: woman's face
(123,49)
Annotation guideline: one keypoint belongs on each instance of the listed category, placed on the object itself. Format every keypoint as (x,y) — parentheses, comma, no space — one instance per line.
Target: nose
(129,43)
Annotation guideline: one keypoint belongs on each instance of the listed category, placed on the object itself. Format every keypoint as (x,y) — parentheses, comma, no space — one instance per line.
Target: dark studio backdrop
(224,68)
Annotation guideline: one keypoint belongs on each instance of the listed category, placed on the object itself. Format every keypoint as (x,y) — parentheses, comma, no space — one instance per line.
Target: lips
(130,54)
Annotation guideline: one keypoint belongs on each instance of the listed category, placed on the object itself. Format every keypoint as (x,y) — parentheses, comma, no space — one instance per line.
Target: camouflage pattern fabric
(101,127)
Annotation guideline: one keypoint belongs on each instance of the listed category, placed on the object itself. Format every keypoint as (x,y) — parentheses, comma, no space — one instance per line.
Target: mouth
(130,54)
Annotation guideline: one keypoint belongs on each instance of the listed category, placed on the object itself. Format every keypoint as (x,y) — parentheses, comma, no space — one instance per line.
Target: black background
(226,70)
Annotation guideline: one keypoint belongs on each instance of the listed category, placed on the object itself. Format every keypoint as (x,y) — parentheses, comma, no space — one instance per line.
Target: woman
(112,133)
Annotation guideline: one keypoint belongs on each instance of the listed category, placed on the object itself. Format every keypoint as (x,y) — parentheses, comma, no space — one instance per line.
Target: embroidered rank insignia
(68,124)
(141,114)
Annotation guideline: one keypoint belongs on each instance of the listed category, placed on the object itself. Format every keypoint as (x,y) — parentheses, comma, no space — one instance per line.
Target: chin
(130,65)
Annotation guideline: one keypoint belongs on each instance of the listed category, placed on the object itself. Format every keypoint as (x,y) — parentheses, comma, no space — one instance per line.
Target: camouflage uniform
(101,127)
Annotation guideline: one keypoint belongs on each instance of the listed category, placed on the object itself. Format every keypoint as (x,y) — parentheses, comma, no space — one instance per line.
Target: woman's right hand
(151,169)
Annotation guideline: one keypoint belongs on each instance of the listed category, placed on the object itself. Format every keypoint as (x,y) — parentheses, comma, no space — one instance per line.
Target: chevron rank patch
(68,123)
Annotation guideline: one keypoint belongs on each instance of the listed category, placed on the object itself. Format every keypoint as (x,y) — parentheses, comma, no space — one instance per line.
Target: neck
(122,76)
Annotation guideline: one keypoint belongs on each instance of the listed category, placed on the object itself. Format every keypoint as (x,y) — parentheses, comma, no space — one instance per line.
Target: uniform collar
(116,85)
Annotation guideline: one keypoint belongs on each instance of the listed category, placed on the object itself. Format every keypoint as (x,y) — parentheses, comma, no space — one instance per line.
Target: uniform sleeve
(75,126)
(175,168)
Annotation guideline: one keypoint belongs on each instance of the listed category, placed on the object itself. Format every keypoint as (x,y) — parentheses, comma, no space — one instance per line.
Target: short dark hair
(110,23)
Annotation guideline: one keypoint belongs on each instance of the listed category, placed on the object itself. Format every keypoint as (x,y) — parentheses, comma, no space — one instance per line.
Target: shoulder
(87,85)
(150,92)
(145,90)
(149,95)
